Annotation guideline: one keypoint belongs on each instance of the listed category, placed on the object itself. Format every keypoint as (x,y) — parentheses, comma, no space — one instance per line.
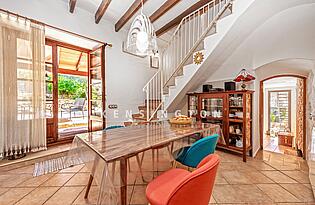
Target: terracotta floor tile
(65,195)
(14,195)
(23,170)
(212,200)
(285,167)
(219,179)
(148,176)
(308,186)
(260,165)
(236,177)
(278,177)
(38,196)
(239,194)
(299,176)
(73,169)
(257,177)
(300,191)
(92,198)
(58,180)
(277,193)
(235,166)
(85,169)
(138,195)
(12,180)
(79,179)
(35,181)
(3,190)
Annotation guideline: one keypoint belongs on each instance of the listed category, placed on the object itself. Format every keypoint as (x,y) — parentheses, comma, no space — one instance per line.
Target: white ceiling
(117,8)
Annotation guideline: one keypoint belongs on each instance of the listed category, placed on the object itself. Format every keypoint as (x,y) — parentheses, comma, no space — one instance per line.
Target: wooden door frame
(55,44)
(261,107)
(103,66)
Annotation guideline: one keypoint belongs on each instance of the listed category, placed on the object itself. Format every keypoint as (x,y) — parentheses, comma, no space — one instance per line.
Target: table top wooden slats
(125,142)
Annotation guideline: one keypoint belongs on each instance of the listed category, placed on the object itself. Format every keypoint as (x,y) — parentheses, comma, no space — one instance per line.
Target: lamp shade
(244,76)
(141,38)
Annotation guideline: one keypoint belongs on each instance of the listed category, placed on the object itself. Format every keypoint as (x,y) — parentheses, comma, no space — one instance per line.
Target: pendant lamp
(141,38)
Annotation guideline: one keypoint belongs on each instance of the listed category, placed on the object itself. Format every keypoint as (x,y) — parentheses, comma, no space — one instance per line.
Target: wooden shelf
(240,120)
(236,107)
(214,118)
(236,134)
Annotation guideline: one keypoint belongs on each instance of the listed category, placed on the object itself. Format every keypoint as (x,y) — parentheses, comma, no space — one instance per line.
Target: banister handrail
(146,85)
(188,15)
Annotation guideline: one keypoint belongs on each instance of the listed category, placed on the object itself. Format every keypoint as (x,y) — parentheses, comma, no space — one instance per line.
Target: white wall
(125,74)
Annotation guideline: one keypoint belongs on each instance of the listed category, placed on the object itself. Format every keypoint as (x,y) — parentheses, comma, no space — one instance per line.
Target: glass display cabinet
(232,110)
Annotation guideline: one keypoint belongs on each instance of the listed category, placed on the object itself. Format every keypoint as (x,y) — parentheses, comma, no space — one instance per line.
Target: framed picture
(154,62)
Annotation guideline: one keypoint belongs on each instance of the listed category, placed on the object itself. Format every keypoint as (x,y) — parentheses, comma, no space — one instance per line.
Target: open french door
(96,88)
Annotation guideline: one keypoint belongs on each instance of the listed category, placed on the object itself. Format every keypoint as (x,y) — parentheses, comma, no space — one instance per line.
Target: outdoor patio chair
(78,105)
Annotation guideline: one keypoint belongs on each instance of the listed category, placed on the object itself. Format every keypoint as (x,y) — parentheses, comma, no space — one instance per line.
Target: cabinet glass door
(193,106)
(212,108)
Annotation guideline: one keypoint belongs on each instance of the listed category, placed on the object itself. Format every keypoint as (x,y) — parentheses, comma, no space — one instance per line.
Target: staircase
(143,110)
(196,32)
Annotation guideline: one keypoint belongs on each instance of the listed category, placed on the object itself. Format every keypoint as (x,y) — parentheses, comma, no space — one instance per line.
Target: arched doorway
(282,108)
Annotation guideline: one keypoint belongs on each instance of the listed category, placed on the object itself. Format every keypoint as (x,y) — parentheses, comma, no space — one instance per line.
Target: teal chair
(192,155)
(114,127)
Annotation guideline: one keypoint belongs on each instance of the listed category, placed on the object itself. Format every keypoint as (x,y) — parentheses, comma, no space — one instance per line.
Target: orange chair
(181,187)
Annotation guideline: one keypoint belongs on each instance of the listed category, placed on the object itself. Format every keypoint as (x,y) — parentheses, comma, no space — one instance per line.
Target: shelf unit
(232,110)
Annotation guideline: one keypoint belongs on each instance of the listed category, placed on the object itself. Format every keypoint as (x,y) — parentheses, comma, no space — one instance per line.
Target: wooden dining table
(118,145)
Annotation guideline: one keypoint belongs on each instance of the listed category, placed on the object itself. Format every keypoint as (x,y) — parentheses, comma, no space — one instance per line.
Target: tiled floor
(271,145)
(268,179)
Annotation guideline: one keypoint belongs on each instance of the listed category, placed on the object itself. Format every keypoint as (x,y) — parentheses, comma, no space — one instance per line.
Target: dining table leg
(123,178)
(91,177)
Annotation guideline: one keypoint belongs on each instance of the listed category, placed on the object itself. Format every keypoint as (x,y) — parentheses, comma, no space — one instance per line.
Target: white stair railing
(187,37)
(154,92)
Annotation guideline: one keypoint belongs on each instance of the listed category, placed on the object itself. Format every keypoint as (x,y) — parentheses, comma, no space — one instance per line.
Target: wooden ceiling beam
(163,9)
(101,10)
(72,4)
(179,18)
(136,5)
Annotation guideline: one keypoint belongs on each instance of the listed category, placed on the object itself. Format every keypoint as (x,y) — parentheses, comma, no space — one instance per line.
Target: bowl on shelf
(231,115)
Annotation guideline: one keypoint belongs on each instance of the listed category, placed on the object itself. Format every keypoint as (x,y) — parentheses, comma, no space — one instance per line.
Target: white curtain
(22,86)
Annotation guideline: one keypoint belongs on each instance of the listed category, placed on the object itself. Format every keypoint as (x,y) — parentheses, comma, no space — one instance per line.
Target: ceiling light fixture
(141,38)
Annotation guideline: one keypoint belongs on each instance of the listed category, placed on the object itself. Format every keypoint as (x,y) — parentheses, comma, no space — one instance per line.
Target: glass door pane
(50,97)
(96,90)
(279,112)
(72,92)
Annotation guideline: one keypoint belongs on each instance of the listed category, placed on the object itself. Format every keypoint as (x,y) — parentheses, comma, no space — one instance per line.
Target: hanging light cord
(141,6)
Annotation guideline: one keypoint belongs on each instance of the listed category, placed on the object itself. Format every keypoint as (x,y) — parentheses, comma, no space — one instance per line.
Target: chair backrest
(79,103)
(200,150)
(196,188)
(113,127)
